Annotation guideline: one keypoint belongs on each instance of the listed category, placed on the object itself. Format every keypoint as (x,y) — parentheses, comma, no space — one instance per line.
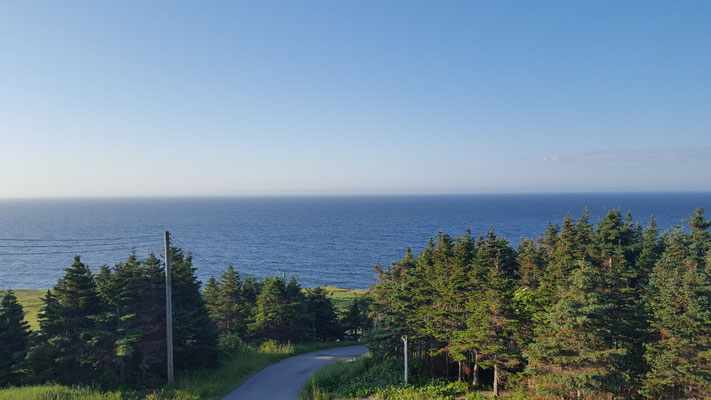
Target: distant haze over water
(320,240)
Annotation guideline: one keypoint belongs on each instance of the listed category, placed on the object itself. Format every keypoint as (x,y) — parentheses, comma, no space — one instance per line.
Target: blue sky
(353,97)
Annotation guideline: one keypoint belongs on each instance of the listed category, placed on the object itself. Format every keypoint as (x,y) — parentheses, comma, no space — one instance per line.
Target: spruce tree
(135,295)
(321,316)
(356,320)
(574,354)
(194,334)
(230,308)
(14,334)
(75,331)
(679,302)
(616,249)
(44,354)
(492,320)
(650,250)
(211,295)
(393,302)
(151,303)
(274,311)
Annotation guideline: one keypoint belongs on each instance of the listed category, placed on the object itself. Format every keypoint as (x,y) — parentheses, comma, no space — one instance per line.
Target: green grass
(58,392)
(341,297)
(210,384)
(31,304)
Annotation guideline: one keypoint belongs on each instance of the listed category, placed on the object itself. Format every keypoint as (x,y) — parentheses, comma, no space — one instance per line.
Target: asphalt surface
(285,379)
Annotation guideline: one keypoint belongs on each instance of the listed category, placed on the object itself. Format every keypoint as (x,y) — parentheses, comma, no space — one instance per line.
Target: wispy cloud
(631,158)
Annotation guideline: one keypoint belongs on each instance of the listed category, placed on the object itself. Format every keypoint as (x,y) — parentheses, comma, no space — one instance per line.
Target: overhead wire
(76,239)
(75,251)
(202,260)
(65,245)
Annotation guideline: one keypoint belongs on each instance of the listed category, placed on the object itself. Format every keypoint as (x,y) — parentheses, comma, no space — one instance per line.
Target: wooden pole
(168,309)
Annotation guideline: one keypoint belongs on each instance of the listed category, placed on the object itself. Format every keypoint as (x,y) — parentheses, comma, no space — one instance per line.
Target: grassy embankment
(367,377)
(201,384)
(209,384)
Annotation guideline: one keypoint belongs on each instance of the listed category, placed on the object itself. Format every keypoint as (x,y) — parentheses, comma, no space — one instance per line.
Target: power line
(77,240)
(64,245)
(203,262)
(74,252)
(201,258)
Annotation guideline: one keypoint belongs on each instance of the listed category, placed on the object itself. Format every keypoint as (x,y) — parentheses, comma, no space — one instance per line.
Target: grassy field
(343,297)
(31,303)
(210,384)
(30,300)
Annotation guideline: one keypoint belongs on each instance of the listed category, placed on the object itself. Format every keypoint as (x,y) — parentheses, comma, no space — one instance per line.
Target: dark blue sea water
(331,240)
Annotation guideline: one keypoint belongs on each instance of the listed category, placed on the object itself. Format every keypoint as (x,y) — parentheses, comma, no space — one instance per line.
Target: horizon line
(341,195)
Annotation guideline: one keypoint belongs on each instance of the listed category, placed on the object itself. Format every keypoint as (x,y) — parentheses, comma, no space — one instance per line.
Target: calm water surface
(331,240)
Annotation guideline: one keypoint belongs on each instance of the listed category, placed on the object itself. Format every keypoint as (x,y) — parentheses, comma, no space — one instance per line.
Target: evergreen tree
(231,307)
(439,312)
(616,249)
(44,354)
(492,320)
(151,303)
(679,302)
(194,334)
(574,353)
(356,320)
(14,333)
(121,322)
(322,322)
(393,304)
(211,295)
(650,250)
(72,335)
(135,294)
(279,311)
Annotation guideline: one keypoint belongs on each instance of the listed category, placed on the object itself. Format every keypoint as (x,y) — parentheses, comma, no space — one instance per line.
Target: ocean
(319,240)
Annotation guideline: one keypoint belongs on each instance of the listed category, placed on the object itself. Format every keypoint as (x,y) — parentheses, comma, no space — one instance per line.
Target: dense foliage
(279,309)
(610,310)
(110,327)
(14,334)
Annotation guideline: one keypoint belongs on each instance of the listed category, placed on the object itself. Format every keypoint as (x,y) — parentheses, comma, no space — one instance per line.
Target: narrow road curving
(285,379)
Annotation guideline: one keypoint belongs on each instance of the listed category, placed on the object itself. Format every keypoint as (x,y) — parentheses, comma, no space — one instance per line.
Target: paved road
(285,379)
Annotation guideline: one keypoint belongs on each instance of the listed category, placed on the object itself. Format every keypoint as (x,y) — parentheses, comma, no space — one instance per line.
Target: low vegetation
(240,361)
(382,378)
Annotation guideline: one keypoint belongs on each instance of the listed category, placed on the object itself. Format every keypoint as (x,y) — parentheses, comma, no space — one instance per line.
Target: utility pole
(168,309)
(404,339)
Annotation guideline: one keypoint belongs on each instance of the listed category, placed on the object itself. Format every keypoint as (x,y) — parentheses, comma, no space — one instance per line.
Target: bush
(274,347)
(230,344)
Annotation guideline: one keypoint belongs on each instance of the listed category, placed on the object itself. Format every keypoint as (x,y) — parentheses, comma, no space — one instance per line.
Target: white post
(168,309)
(404,339)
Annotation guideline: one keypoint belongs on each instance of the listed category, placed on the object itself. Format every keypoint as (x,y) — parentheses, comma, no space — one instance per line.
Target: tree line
(110,327)
(279,309)
(605,310)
